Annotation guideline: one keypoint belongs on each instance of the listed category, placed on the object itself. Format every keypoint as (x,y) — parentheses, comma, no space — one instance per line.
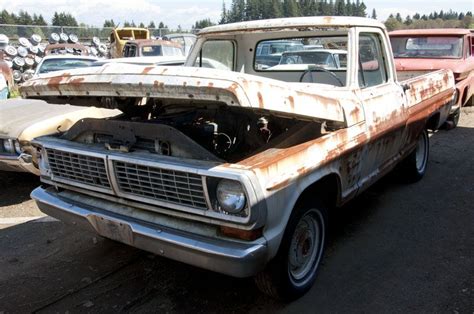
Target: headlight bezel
(236,200)
(8,146)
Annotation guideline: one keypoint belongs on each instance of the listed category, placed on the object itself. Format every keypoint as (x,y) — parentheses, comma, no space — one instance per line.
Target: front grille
(161,184)
(78,168)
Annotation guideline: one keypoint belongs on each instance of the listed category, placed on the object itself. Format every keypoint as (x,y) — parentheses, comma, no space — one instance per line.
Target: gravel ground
(396,248)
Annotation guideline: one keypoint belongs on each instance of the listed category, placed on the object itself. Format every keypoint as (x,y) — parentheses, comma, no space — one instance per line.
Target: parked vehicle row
(229,165)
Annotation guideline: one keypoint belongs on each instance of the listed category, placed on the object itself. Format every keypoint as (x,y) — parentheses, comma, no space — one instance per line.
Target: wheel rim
(421,153)
(306,248)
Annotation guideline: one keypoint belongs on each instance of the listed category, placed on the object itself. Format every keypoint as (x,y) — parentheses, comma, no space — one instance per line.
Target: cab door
(384,104)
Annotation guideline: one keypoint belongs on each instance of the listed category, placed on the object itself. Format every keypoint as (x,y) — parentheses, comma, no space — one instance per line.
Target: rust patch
(292,102)
(233,87)
(164,70)
(260,100)
(76,81)
(159,85)
(147,69)
(55,81)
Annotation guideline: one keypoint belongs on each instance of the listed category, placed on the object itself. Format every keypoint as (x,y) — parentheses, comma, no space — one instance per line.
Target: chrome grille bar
(78,168)
(155,183)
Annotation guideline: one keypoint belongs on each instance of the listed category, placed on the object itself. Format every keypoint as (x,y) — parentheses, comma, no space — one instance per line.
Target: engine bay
(194,129)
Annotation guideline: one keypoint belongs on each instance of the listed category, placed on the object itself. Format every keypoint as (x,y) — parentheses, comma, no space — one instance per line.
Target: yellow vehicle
(120,36)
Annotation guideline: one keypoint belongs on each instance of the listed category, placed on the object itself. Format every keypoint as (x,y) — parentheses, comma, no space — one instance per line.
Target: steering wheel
(312,68)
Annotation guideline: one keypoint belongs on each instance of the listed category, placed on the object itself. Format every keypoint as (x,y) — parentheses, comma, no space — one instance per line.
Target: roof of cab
(293,22)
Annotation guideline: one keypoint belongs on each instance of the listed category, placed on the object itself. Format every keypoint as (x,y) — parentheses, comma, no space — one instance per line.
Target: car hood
(25,119)
(311,101)
(424,64)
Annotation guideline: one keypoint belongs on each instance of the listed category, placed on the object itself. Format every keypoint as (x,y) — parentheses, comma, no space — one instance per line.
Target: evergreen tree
(224,18)
(408,20)
(6,18)
(290,8)
(398,17)
(276,9)
(141,25)
(151,25)
(349,8)
(374,14)
(109,23)
(340,9)
(63,19)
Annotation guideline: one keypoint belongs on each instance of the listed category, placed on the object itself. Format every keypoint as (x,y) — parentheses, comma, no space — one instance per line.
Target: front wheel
(293,271)
(414,166)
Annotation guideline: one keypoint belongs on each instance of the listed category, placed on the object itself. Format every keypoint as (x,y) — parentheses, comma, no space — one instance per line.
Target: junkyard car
(66,48)
(424,50)
(326,58)
(119,36)
(234,170)
(151,48)
(186,41)
(269,52)
(22,120)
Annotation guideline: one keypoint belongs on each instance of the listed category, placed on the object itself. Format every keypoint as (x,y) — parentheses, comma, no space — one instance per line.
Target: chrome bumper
(228,257)
(22,163)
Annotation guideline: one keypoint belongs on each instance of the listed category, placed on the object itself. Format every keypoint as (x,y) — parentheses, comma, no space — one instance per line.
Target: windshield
(427,47)
(306,57)
(149,51)
(64,64)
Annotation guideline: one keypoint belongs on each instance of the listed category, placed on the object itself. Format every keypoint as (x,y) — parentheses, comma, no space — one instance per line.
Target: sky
(186,12)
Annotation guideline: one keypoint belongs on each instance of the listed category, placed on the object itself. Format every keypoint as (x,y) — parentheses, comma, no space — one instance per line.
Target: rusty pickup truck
(235,169)
(419,51)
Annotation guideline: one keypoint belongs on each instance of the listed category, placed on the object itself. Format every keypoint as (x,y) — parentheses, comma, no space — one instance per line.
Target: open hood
(232,88)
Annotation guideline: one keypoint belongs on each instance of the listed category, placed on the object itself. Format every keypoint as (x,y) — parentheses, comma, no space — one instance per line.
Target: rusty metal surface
(153,42)
(234,89)
(295,22)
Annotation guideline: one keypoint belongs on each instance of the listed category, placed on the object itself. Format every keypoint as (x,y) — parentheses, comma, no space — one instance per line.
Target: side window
(372,60)
(471,46)
(217,54)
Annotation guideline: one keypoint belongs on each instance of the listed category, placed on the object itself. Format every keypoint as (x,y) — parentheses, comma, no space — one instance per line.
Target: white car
(63,62)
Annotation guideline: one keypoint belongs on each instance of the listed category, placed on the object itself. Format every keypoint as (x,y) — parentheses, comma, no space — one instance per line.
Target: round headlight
(17,147)
(8,146)
(231,196)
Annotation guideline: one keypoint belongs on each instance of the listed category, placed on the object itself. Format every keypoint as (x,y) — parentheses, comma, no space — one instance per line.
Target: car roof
(70,56)
(293,22)
(431,31)
(153,42)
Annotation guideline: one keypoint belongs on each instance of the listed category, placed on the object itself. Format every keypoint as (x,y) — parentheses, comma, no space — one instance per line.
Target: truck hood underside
(189,83)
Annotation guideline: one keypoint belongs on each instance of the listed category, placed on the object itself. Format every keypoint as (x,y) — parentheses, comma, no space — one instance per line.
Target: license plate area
(112,229)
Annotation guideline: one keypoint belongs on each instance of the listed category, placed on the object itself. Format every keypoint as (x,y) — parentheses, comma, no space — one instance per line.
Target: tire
(414,166)
(293,270)
(453,119)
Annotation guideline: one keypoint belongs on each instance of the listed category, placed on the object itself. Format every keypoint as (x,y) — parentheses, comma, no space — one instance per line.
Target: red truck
(419,51)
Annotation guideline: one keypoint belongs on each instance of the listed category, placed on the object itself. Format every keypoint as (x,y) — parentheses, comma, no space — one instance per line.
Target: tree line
(441,19)
(246,10)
